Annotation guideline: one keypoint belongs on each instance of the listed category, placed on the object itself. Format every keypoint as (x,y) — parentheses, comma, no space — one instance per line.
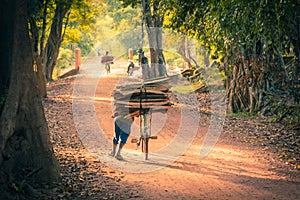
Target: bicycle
(107,60)
(145,115)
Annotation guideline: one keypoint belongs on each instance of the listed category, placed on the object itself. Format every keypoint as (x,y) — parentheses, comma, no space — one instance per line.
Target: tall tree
(49,23)
(38,15)
(154,20)
(250,37)
(154,23)
(25,150)
(46,45)
(56,35)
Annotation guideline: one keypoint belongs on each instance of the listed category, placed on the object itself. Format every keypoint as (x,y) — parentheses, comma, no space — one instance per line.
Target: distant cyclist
(107,64)
(107,60)
(130,68)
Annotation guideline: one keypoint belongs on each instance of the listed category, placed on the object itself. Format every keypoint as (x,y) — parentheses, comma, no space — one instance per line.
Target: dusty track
(232,170)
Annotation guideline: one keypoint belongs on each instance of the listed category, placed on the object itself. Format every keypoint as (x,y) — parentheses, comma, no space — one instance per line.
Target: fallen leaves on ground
(85,177)
(274,137)
(269,136)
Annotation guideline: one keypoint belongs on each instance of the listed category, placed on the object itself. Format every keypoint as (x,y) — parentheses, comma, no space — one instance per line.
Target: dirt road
(232,170)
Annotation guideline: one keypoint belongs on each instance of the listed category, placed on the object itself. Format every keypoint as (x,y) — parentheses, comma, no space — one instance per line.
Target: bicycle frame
(145,115)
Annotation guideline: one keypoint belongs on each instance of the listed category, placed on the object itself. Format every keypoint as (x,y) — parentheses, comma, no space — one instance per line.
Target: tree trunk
(184,50)
(54,41)
(154,24)
(6,26)
(41,76)
(249,81)
(56,36)
(38,48)
(25,150)
(295,40)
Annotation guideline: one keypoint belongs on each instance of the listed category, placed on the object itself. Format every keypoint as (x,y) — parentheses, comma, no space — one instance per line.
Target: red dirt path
(232,170)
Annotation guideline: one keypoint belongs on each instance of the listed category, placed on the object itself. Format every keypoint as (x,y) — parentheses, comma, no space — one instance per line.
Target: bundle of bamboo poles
(135,98)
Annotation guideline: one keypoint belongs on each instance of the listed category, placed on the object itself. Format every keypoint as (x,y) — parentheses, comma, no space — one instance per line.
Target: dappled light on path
(230,170)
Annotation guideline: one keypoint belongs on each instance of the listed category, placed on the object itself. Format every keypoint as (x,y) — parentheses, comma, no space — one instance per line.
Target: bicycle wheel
(145,147)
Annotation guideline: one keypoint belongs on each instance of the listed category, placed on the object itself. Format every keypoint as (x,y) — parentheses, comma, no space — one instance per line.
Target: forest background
(254,44)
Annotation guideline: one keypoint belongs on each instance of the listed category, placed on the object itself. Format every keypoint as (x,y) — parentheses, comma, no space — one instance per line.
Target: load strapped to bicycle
(141,100)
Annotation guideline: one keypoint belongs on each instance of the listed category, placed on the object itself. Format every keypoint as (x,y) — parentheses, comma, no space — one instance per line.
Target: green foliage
(182,88)
(81,29)
(185,87)
(240,33)
(64,62)
(74,24)
(219,24)
(117,28)
(86,43)
(173,59)
(19,187)
(126,18)
(122,17)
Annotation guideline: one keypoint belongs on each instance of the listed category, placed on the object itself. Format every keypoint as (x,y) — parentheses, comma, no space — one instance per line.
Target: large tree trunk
(158,64)
(295,40)
(247,84)
(25,150)
(154,24)
(5,50)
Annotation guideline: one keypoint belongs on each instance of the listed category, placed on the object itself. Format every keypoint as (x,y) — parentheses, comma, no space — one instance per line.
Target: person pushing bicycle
(122,129)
